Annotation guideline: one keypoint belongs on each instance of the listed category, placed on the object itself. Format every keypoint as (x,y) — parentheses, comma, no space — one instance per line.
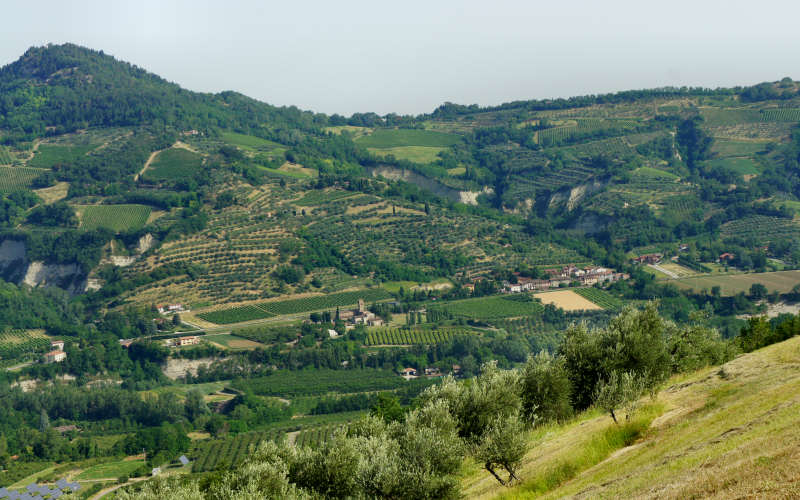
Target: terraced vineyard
(600,297)
(14,343)
(319,197)
(231,451)
(501,306)
(761,228)
(395,336)
(15,178)
(781,115)
(115,217)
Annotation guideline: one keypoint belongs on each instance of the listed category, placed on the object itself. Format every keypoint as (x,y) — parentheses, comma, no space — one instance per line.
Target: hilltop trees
(693,142)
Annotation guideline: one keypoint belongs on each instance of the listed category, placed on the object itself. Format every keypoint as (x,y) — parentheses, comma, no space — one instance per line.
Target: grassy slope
(729,433)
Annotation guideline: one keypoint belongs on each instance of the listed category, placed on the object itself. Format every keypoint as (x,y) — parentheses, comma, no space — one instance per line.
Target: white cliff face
(67,276)
(145,243)
(16,267)
(436,187)
(122,260)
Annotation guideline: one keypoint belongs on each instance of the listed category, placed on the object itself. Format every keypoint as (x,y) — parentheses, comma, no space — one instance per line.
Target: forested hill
(61,88)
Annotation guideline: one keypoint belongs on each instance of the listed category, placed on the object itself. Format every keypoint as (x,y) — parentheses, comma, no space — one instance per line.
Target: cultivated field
(232,342)
(600,298)
(14,343)
(15,178)
(47,155)
(110,470)
(174,164)
(779,281)
(567,300)
(115,217)
(501,306)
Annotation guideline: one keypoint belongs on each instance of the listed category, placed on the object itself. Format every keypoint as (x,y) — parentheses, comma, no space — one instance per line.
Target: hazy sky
(408,56)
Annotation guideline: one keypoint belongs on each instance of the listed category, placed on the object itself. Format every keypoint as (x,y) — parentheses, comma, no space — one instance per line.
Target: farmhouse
(727,256)
(332,333)
(55,357)
(408,372)
(57,345)
(171,308)
(360,316)
(648,258)
(182,341)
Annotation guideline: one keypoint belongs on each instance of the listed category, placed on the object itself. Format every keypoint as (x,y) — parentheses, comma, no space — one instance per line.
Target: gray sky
(409,56)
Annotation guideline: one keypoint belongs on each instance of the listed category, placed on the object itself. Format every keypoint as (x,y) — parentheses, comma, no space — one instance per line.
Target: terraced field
(779,281)
(501,306)
(294,306)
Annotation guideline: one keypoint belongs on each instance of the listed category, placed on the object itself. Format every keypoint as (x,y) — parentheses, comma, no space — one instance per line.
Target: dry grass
(53,193)
(727,432)
(567,300)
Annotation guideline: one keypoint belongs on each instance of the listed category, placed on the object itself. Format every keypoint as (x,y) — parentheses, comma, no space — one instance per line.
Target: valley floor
(723,432)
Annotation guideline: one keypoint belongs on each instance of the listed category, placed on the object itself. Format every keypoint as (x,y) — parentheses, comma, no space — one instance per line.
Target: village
(566,276)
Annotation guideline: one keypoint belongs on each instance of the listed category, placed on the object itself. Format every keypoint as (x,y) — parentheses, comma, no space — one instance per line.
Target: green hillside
(724,432)
(223,272)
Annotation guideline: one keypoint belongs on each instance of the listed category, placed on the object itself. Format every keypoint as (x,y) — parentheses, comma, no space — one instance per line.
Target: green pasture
(742,166)
(417,154)
(110,470)
(393,138)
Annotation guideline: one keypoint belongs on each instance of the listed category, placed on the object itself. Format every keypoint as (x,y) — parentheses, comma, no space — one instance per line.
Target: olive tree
(621,390)
(545,389)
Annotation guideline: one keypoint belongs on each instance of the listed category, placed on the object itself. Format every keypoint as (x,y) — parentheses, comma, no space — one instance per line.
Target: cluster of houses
(656,258)
(565,276)
(182,341)
(39,491)
(56,353)
(431,371)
